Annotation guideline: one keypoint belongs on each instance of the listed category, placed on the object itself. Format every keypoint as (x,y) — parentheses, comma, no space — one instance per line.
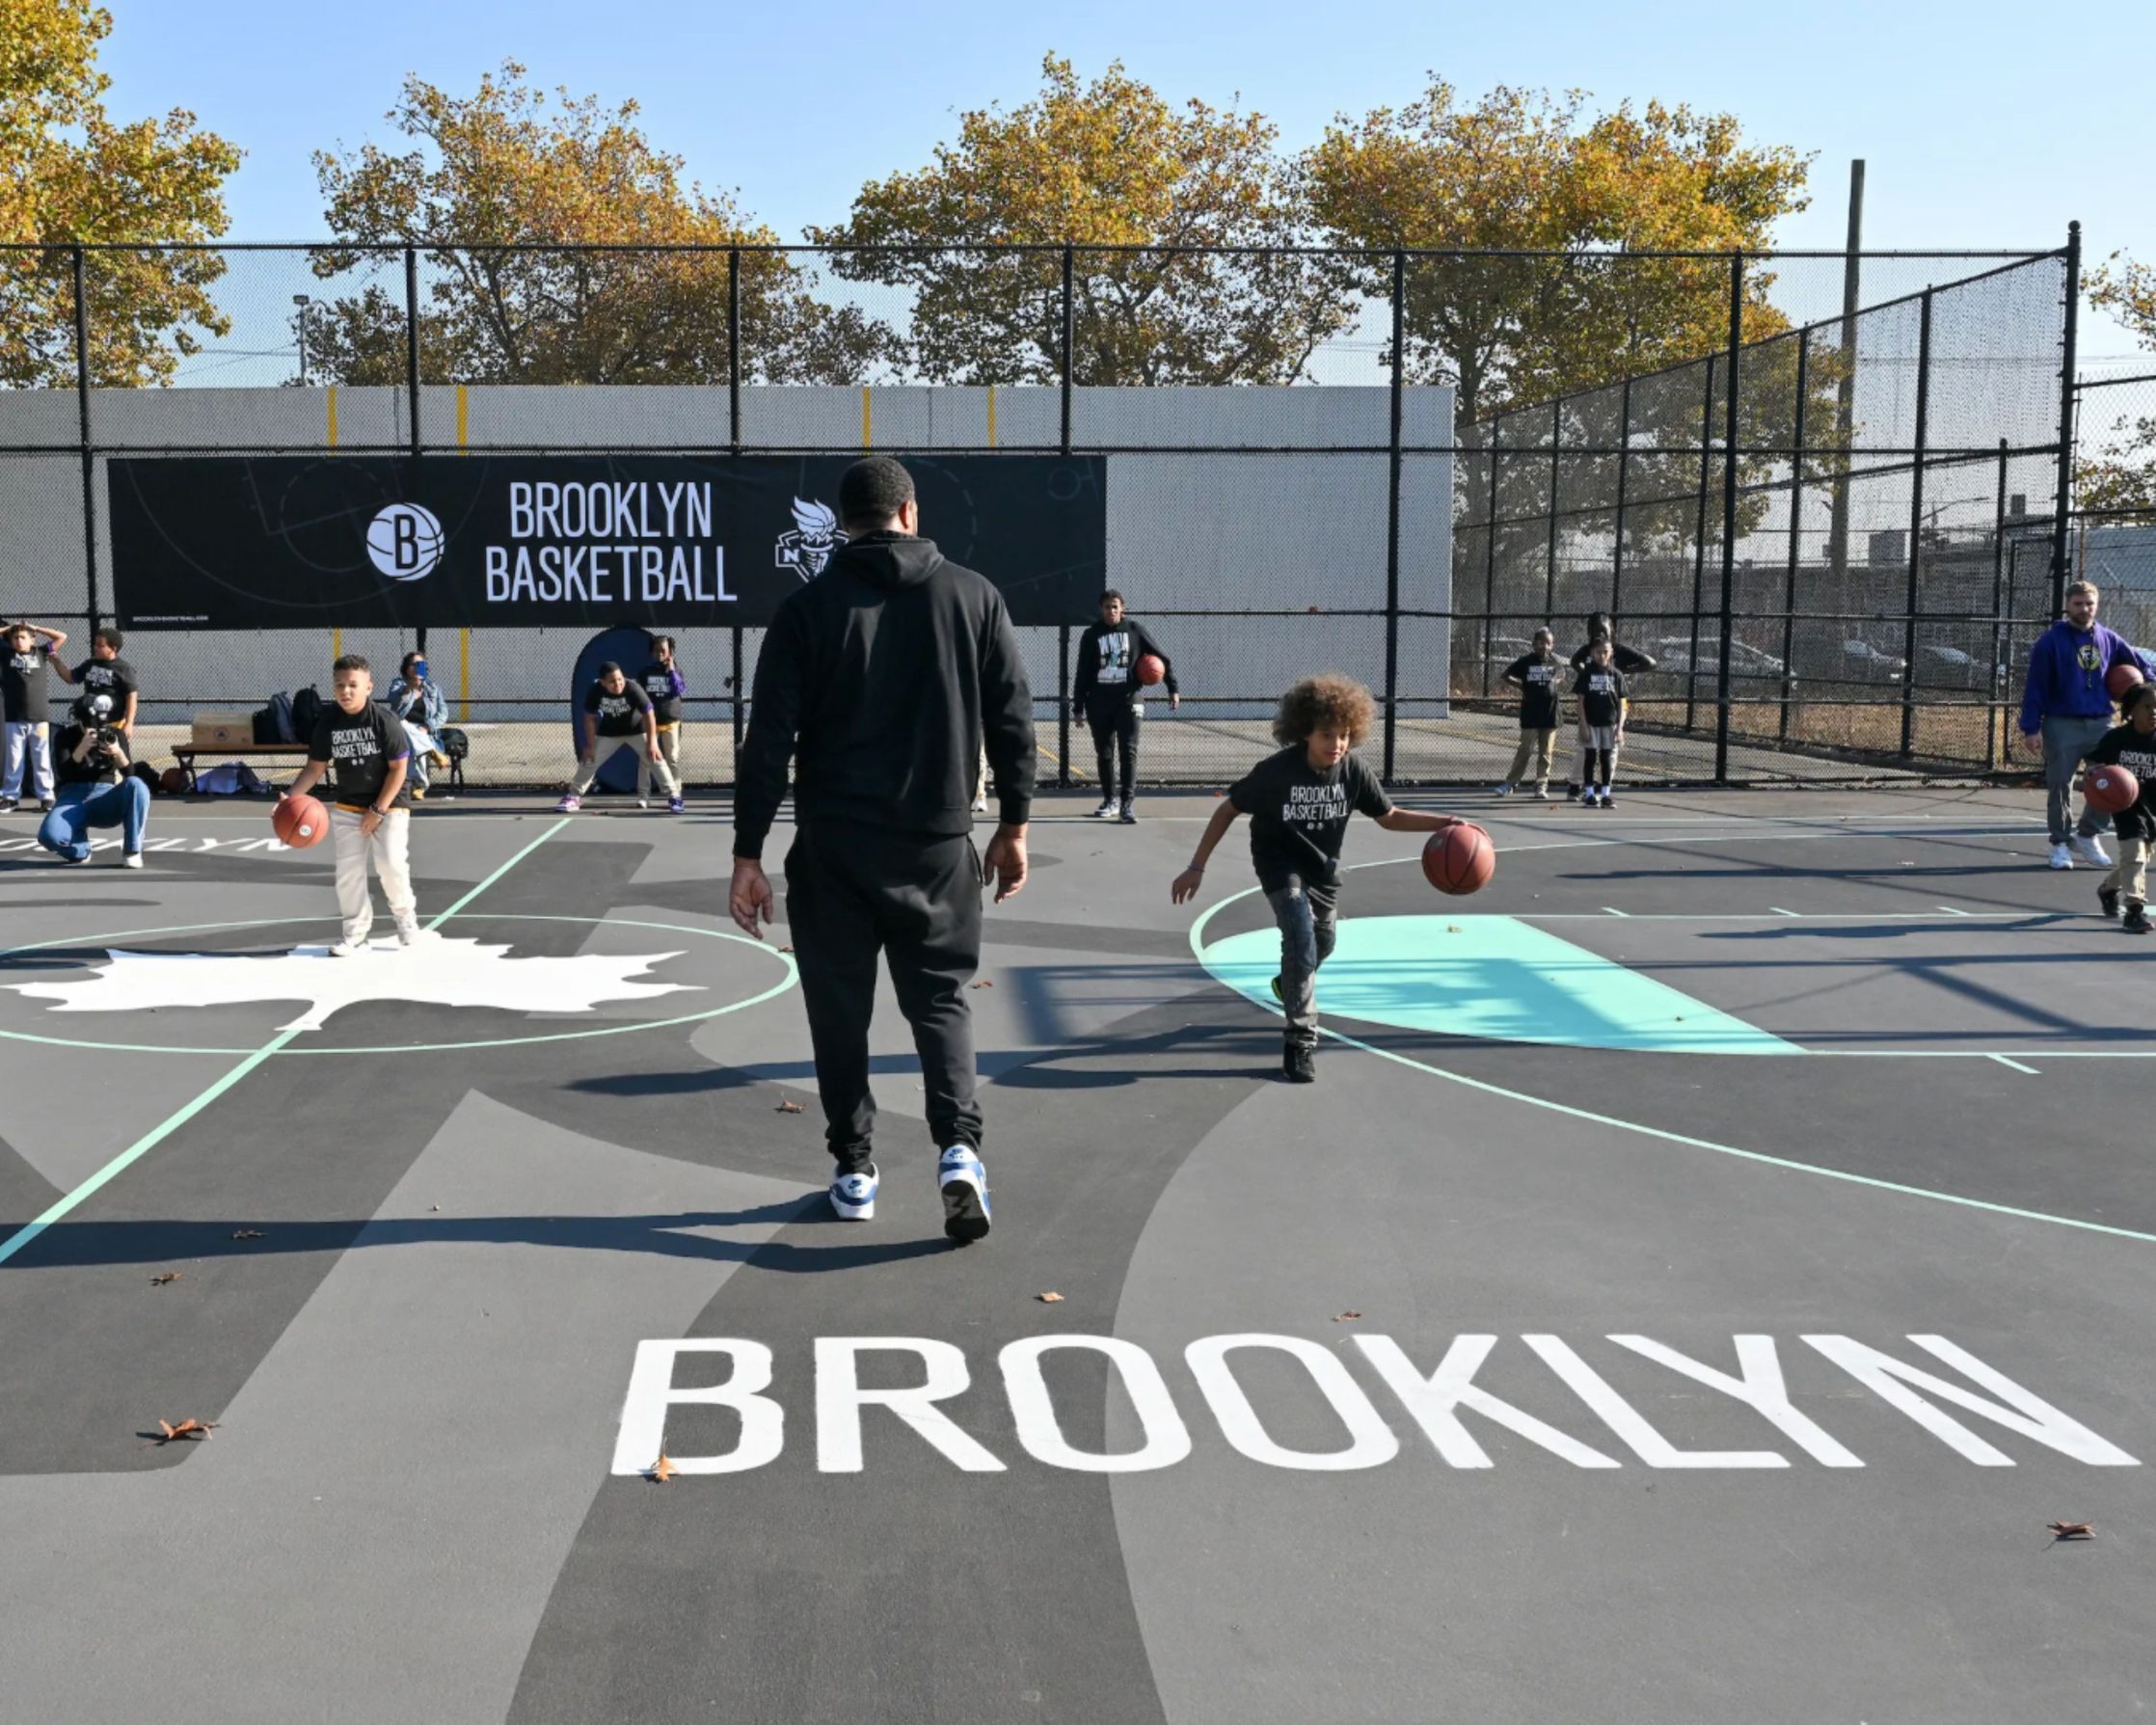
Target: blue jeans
(125,805)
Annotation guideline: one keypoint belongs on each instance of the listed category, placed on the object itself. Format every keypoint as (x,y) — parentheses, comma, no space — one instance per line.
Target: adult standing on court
(881,679)
(1629,660)
(2065,710)
(1107,691)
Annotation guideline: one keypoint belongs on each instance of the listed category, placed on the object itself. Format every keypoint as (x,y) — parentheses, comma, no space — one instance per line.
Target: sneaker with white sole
(980,805)
(853,1195)
(1542,793)
(1127,814)
(964,1184)
(643,803)
(1501,791)
(407,931)
(568,804)
(676,806)
(2062,858)
(1106,810)
(133,860)
(2089,848)
(348,949)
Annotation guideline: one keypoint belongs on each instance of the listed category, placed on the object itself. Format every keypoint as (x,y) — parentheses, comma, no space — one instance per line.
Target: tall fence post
(1392,519)
(1556,488)
(1063,634)
(734,448)
(89,448)
(1733,399)
(1916,526)
(1699,547)
(1994,690)
(1624,476)
(2068,360)
(1490,558)
(412,345)
(1796,530)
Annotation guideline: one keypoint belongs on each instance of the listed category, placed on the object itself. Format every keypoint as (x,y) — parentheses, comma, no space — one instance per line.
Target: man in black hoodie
(1108,691)
(882,678)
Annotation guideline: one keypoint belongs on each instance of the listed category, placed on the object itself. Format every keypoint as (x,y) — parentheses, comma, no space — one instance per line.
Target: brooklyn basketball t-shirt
(360,748)
(1299,815)
(25,699)
(617,715)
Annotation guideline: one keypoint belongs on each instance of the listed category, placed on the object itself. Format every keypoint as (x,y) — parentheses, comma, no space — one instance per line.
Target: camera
(104,736)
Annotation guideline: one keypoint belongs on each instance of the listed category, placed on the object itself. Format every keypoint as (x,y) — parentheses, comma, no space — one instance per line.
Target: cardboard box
(223,728)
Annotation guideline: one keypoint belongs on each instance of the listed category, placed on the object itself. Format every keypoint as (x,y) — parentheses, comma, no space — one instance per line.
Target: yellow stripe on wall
(991,416)
(868,421)
(463,417)
(331,392)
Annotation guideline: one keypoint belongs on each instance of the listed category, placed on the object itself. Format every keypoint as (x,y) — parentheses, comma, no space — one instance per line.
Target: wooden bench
(186,752)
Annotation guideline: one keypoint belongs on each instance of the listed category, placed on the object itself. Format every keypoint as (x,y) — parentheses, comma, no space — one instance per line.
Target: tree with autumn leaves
(70,172)
(2118,469)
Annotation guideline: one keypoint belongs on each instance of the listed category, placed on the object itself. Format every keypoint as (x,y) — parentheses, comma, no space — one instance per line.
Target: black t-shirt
(1621,658)
(360,747)
(24,696)
(1299,815)
(1602,695)
(114,677)
(98,767)
(1543,693)
(618,715)
(657,681)
(2124,747)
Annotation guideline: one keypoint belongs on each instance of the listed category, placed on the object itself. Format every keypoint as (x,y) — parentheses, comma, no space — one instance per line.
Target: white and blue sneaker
(853,1196)
(964,1184)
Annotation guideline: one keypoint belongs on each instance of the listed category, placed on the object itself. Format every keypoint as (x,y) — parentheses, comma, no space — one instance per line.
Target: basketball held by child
(1150,668)
(2109,788)
(299,821)
(2121,678)
(1459,860)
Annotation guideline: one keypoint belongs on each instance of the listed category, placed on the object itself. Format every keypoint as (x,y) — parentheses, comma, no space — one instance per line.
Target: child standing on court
(662,681)
(361,746)
(1600,688)
(2133,747)
(617,715)
(26,700)
(1299,802)
(1538,676)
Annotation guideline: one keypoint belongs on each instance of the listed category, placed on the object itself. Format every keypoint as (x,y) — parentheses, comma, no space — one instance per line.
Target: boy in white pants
(618,715)
(361,745)
(26,702)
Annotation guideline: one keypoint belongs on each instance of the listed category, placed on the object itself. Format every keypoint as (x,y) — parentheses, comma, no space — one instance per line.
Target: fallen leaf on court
(2071,1530)
(248,1233)
(983,983)
(1347,1317)
(1048,1299)
(434,1207)
(662,1471)
(190,1431)
(786,949)
(788,1107)
(1452,928)
(159,1281)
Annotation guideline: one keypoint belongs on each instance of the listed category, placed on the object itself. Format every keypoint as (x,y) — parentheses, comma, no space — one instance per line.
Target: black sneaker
(1129,814)
(2137,920)
(1607,799)
(1299,1063)
(47,804)
(7,805)
(2106,900)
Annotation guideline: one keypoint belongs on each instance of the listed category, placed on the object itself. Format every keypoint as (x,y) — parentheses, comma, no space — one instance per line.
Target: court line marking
(1612,911)
(2015,1064)
(499,872)
(172,1123)
(1779,911)
(1661,1133)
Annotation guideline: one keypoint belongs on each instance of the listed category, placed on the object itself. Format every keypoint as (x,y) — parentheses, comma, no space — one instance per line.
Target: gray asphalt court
(1710,1261)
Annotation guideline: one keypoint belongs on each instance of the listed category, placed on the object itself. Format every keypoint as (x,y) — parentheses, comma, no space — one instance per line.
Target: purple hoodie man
(2065,710)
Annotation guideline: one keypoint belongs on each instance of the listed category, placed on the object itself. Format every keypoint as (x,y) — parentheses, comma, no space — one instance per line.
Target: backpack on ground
(307,712)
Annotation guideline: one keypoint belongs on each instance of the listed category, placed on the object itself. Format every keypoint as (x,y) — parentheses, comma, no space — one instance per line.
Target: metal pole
(1490,557)
(734,350)
(739,724)
(89,449)
(412,340)
(1393,521)
(1699,547)
(1796,529)
(1069,338)
(2064,507)
(1994,689)
(1556,486)
(1731,392)
(1916,526)
(1844,414)
(1624,465)
(1063,708)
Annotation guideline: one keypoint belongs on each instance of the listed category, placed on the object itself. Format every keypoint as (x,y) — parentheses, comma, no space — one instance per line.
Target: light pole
(300,304)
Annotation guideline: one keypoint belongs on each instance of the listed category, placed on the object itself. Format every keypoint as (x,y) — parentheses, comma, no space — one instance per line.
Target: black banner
(451,541)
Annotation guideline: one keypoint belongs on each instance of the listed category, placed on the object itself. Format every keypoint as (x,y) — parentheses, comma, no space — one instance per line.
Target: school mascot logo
(814,537)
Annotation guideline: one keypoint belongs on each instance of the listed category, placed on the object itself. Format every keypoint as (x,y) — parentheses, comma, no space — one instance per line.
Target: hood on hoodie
(887,560)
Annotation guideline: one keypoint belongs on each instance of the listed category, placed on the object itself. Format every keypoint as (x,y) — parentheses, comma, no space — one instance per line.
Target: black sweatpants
(1113,717)
(853,893)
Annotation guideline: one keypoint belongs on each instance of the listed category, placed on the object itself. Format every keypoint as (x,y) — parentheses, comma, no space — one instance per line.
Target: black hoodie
(882,678)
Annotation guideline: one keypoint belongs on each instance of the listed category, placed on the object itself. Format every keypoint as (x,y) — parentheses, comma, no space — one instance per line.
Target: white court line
(1779,911)
(1952,911)
(1615,911)
(2015,1064)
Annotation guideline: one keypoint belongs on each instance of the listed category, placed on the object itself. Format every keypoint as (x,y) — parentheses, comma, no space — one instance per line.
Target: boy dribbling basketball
(2133,747)
(360,745)
(1299,802)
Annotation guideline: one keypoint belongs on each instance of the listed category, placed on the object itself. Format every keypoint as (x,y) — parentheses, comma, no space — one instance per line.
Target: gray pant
(1309,918)
(2066,745)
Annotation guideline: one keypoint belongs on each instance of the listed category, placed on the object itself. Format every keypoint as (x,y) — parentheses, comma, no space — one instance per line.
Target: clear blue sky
(1982,124)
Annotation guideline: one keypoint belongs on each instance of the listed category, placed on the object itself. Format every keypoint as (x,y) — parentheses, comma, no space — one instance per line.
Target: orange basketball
(1151,669)
(2109,788)
(1459,860)
(300,822)
(2120,678)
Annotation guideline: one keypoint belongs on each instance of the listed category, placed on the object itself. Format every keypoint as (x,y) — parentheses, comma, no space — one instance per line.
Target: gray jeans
(2066,745)
(1309,918)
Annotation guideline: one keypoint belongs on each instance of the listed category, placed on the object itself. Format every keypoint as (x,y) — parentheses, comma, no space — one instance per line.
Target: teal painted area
(1492,977)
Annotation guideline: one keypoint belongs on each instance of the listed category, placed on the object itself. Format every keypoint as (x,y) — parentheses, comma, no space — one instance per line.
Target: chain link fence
(1822,492)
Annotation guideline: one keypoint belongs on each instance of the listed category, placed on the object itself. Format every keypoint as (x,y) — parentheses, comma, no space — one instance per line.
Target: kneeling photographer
(96,788)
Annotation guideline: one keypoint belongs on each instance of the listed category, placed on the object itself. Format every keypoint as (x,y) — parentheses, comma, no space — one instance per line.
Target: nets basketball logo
(808,545)
(404,542)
